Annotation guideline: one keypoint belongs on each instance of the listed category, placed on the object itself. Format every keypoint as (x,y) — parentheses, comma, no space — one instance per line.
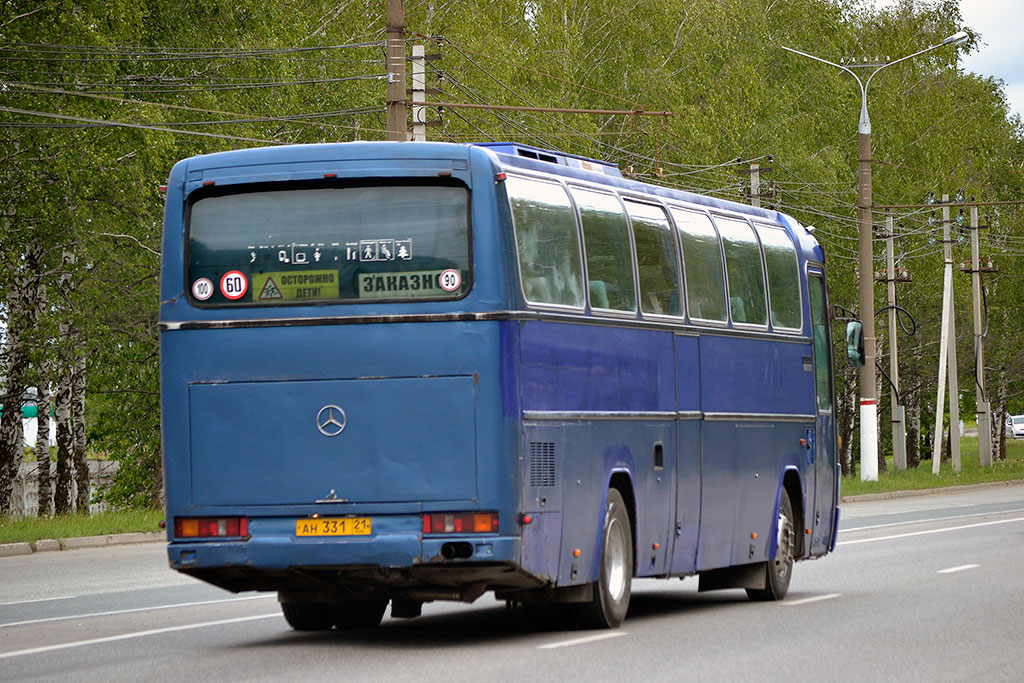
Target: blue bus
(407,372)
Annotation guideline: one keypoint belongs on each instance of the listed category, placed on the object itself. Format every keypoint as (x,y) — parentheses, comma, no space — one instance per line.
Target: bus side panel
(688,455)
(593,369)
(568,367)
(756,381)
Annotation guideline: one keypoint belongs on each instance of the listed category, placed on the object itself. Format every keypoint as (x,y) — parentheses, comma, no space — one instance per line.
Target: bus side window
(783,277)
(547,242)
(607,249)
(744,271)
(702,266)
(656,259)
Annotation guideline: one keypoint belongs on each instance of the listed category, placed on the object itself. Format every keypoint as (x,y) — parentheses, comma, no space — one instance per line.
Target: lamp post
(868,395)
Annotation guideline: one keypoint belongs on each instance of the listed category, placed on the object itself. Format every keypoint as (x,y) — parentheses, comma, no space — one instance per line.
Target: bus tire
(779,570)
(307,616)
(610,602)
(357,614)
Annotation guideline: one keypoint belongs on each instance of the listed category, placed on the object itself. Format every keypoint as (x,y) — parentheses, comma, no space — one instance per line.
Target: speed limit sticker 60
(234,285)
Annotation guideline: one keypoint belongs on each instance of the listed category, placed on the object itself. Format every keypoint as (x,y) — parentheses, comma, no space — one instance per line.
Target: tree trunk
(62,493)
(78,434)
(846,426)
(999,419)
(43,449)
(11,433)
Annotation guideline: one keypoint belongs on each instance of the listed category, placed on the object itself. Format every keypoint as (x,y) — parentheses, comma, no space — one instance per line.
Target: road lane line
(962,568)
(806,601)
(932,519)
(134,610)
(582,641)
(130,636)
(931,531)
(26,602)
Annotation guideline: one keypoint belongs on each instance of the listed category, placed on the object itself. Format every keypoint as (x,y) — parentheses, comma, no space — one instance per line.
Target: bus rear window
(329,244)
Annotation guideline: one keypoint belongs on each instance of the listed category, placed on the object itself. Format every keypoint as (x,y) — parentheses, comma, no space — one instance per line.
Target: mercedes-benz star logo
(331,420)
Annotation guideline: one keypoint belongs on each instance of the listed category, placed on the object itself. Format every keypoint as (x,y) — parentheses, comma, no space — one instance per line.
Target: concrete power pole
(419,94)
(984,412)
(398,127)
(891,275)
(947,358)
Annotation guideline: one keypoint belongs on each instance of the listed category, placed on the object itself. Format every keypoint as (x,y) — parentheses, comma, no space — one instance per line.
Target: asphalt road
(924,588)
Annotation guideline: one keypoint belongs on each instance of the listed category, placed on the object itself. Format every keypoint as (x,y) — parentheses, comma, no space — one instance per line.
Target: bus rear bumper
(391,563)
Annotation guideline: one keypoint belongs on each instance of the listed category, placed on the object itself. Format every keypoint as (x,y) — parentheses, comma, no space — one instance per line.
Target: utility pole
(984,413)
(419,94)
(891,275)
(398,127)
(947,357)
(753,193)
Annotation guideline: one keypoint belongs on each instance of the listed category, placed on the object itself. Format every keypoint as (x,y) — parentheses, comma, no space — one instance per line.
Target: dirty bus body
(405,372)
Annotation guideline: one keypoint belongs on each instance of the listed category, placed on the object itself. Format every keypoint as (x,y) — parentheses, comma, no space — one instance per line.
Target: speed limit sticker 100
(234,285)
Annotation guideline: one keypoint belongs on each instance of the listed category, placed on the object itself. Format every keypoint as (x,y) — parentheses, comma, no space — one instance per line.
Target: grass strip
(73,525)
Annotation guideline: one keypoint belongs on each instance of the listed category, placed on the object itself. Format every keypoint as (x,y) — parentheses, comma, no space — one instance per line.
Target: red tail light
(461,523)
(211,527)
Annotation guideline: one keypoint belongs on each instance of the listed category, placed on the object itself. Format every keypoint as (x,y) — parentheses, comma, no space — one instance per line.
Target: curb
(890,495)
(51,544)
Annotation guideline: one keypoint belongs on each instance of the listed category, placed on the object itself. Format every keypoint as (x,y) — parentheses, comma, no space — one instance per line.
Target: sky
(1001,52)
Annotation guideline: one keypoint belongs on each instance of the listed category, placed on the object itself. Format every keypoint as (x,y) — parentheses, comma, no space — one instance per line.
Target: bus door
(822,447)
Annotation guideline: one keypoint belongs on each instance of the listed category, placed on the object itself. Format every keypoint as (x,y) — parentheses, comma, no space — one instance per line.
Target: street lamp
(868,396)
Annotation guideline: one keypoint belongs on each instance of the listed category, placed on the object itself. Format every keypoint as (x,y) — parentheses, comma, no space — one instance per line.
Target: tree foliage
(98,100)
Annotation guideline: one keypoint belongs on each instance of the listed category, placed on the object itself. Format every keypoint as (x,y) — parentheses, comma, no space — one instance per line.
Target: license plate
(333,526)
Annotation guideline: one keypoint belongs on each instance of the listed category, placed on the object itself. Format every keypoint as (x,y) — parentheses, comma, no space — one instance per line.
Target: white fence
(25,497)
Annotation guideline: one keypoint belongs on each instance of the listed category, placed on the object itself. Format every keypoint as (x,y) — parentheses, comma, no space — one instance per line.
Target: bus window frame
(598,311)
(679,318)
(817,269)
(693,320)
(200,193)
(780,329)
(764,274)
(581,261)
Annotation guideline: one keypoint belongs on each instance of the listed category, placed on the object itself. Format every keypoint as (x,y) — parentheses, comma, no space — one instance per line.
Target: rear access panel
(365,440)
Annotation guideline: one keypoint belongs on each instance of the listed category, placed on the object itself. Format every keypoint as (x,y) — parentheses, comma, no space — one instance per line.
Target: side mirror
(855,343)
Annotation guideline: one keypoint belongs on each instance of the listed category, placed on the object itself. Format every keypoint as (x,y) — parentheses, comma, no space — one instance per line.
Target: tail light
(211,527)
(460,523)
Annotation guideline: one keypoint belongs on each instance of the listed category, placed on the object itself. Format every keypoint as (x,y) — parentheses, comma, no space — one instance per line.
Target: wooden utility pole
(398,127)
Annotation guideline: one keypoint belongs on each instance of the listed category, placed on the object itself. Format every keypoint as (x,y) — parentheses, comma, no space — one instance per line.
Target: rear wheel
(307,616)
(355,614)
(779,570)
(610,603)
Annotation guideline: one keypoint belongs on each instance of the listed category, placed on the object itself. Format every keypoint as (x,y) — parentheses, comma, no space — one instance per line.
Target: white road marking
(130,636)
(931,531)
(135,609)
(932,519)
(805,601)
(582,641)
(26,602)
(961,568)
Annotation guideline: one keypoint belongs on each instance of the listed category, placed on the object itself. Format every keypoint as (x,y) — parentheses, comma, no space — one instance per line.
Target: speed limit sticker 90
(450,280)
(202,289)
(234,285)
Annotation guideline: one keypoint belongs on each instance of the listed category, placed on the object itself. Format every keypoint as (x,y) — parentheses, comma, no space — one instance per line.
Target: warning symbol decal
(270,291)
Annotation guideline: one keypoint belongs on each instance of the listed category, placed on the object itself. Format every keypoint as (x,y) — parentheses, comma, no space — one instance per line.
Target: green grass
(971,472)
(68,526)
